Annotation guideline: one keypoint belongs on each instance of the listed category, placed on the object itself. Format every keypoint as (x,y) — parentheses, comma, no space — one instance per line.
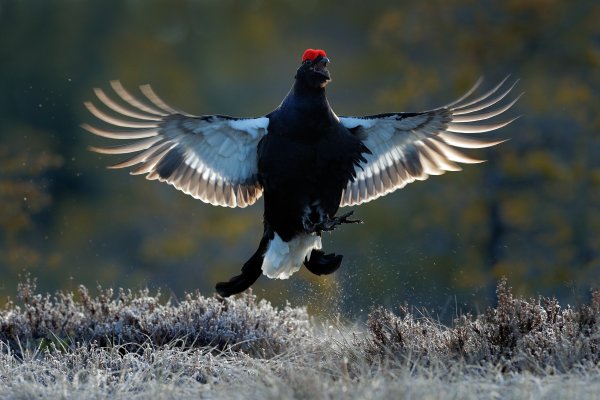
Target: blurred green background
(530,213)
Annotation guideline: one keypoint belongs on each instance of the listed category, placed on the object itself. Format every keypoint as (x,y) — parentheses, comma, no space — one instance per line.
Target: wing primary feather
(488,115)
(467,142)
(353,196)
(150,164)
(412,162)
(485,104)
(427,148)
(461,128)
(429,168)
(429,160)
(234,200)
(153,175)
(170,162)
(447,156)
(122,110)
(362,189)
(211,187)
(139,134)
(186,178)
(348,194)
(253,191)
(157,101)
(202,189)
(385,172)
(190,185)
(125,95)
(466,95)
(206,157)
(140,157)
(115,121)
(178,176)
(451,155)
(378,182)
(194,179)
(227,198)
(393,173)
(242,195)
(203,182)
(191,178)
(482,97)
(127,148)
(370,183)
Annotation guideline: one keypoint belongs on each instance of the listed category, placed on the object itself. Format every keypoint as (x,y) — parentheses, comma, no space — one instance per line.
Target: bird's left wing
(405,147)
(212,158)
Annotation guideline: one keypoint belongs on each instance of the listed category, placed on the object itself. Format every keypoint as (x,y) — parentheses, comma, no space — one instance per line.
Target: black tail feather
(251,271)
(323,264)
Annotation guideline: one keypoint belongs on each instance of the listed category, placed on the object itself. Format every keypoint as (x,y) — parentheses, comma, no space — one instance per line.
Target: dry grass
(130,320)
(517,335)
(131,345)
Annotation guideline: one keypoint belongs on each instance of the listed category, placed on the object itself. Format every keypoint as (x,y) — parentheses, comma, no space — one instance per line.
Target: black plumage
(304,163)
(304,159)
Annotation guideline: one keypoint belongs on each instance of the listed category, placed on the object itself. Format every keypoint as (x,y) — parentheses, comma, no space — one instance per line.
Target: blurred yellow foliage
(532,212)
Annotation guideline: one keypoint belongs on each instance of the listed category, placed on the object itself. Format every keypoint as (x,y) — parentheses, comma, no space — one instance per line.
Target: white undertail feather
(283,259)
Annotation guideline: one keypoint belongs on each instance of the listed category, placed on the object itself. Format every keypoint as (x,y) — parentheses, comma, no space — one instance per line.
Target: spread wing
(212,158)
(411,146)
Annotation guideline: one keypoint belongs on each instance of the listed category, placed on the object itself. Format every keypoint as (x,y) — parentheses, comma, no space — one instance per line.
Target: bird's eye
(308,62)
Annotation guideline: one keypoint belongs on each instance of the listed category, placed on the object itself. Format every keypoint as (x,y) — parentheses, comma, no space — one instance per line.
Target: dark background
(530,213)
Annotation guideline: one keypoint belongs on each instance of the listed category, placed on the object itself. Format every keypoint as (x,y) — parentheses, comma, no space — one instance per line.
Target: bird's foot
(320,263)
(331,223)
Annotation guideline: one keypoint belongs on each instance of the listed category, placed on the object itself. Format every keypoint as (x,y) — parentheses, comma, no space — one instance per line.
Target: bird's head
(313,70)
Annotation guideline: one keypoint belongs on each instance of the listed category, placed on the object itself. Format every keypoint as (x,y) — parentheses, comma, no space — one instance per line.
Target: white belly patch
(283,259)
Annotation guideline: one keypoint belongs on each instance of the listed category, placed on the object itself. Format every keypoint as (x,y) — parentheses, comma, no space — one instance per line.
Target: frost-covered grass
(130,320)
(132,345)
(518,335)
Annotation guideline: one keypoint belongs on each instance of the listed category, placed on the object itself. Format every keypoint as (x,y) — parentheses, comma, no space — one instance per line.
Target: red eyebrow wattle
(312,54)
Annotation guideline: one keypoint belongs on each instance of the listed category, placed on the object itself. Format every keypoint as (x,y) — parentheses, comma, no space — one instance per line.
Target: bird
(305,160)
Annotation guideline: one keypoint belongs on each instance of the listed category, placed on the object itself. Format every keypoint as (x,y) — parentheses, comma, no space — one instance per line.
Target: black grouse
(304,159)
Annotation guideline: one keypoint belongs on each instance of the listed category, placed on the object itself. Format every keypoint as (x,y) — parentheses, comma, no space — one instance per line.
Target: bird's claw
(330,224)
(343,219)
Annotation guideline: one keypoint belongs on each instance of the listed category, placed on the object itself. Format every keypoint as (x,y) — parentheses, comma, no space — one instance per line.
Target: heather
(138,344)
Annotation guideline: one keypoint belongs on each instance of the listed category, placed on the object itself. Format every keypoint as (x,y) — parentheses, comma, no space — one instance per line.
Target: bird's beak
(321,67)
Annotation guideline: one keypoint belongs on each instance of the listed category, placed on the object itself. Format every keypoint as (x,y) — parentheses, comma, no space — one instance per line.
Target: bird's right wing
(212,158)
(404,147)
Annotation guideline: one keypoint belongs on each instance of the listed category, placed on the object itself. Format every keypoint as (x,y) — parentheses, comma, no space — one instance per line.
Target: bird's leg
(320,263)
(313,216)
(309,225)
(251,270)
(330,224)
(343,219)
(316,220)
